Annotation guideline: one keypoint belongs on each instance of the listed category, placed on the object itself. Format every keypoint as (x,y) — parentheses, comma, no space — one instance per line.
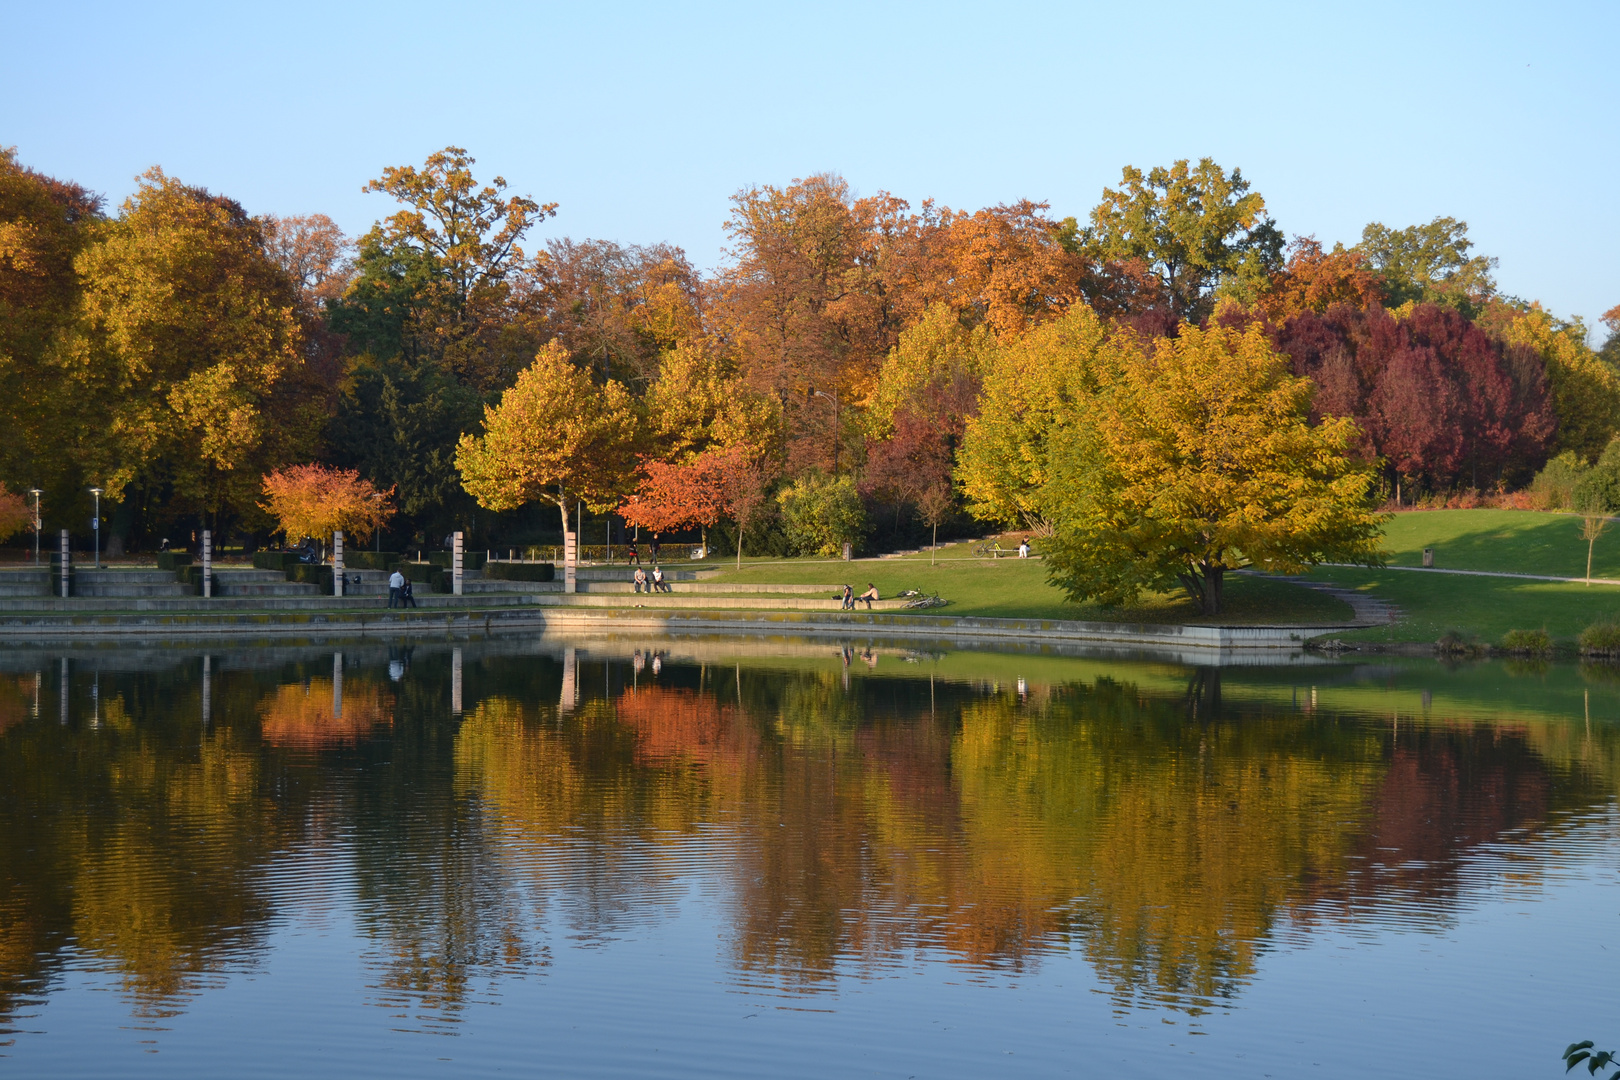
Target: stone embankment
(124,602)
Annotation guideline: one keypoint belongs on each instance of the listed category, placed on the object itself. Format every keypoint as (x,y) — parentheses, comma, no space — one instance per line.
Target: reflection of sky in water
(702,859)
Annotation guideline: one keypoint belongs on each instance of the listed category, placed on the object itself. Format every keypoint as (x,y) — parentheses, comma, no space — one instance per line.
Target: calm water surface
(706,857)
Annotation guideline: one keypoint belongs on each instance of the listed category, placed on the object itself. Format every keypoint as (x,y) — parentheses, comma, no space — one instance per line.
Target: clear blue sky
(641,120)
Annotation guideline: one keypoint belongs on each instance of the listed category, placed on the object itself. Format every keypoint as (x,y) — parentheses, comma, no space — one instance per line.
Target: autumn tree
(44,225)
(744,479)
(937,351)
(677,496)
(1315,280)
(617,308)
(189,370)
(1585,391)
(1031,387)
(1611,345)
(804,304)
(313,252)
(555,435)
(1194,227)
(316,501)
(1428,263)
(1197,459)
(1433,395)
(15,514)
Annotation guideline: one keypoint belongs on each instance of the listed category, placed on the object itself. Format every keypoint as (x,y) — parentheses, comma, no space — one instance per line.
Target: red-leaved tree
(1437,398)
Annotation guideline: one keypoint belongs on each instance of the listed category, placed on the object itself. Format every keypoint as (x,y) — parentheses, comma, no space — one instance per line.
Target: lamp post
(95,525)
(378,498)
(832,397)
(36,493)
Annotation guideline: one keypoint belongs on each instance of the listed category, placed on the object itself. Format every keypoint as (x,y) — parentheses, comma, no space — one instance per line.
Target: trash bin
(1428,557)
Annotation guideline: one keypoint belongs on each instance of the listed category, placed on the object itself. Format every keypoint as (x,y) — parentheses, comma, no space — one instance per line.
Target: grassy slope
(1017,589)
(1512,541)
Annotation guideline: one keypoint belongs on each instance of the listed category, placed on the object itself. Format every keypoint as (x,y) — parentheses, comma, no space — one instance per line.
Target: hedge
(311,574)
(275,560)
(370,560)
(470,560)
(517,571)
(173,560)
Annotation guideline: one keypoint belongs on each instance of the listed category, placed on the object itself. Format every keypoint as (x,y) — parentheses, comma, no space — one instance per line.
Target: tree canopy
(1196,458)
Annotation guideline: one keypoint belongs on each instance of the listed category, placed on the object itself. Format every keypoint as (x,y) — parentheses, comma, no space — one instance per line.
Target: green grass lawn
(1017,589)
(1504,541)
(1479,607)
(1514,541)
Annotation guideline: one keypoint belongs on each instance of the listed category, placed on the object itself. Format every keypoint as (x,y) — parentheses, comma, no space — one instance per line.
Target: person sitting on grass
(641,579)
(869,595)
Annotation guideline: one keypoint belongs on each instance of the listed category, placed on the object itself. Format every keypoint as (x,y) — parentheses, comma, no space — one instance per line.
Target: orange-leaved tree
(315,500)
(15,516)
(718,483)
(672,496)
(555,435)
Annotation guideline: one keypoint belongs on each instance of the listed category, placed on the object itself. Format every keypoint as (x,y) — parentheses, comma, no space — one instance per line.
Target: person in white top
(396,588)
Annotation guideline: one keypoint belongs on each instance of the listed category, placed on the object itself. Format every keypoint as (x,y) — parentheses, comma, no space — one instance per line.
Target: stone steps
(243,604)
(706,588)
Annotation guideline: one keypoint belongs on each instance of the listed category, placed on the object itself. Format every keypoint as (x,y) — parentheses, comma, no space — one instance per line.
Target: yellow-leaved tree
(315,501)
(1585,390)
(935,350)
(1197,458)
(1033,388)
(555,435)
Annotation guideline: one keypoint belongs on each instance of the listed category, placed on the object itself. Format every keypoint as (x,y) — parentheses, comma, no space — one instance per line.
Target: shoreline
(365,622)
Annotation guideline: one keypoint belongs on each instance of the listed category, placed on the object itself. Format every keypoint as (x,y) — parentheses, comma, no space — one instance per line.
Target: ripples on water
(712,857)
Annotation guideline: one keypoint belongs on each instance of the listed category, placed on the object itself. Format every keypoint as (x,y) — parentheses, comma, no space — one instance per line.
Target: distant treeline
(177,351)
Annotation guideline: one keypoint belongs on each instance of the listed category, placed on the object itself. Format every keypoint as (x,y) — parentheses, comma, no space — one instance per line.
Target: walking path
(1478,573)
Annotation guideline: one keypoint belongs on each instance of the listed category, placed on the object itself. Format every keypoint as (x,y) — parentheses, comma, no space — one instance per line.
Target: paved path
(1483,573)
(1368,610)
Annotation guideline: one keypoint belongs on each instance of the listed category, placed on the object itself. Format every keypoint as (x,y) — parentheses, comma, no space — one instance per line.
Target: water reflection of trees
(848,824)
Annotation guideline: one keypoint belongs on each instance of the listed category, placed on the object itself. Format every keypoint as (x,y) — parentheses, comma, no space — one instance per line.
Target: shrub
(821,515)
(419,572)
(173,560)
(1599,488)
(1554,486)
(1527,642)
(1452,643)
(370,560)
(1601,639)
(275,560)
(508,571)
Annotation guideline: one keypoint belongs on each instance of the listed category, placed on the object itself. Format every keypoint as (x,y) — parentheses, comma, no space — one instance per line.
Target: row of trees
(850,367)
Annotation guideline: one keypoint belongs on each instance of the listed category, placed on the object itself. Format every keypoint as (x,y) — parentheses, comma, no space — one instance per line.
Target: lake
(696,857)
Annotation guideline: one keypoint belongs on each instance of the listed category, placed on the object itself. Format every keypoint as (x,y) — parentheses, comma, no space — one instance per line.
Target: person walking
(870,595)
(849,598)
(641,579)
(396,589)
(655,547)
(632,557)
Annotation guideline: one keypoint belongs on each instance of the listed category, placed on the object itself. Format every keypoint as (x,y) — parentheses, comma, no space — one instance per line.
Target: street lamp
(832,397)
(95,525)
(378,498)
(36,493)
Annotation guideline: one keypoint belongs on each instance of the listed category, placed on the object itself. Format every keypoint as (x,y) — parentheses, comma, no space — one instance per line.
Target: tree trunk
(1204,582)
(1591,541)
(935,549)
